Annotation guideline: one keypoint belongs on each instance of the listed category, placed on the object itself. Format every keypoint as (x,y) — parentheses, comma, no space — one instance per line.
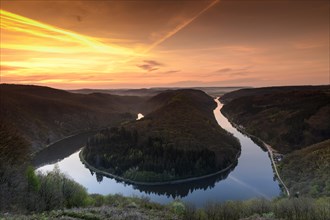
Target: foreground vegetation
(178,139)
(53,195)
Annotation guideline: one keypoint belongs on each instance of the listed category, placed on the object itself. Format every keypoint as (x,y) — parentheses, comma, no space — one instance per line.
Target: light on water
(252,177)
(139,116)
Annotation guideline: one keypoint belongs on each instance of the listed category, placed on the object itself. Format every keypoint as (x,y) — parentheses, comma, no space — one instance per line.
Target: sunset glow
(205,43)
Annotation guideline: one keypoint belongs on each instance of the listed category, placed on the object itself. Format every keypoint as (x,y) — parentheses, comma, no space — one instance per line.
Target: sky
(71,44)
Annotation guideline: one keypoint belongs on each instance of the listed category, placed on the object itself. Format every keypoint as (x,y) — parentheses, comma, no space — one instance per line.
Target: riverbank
(269,149)
(33,154)
(171,182)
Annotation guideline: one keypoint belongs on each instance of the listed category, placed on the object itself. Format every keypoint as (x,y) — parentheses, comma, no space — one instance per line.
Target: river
(251,177)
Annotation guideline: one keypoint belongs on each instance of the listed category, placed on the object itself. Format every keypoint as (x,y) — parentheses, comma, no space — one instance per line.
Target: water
(251,177)
(139,116)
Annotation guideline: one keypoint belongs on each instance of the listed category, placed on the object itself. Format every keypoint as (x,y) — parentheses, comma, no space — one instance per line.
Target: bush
(53,190)
(284,208)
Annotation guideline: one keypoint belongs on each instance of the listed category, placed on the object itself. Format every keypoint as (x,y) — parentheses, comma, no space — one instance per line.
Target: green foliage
(177,207)
(291,209)
(55,191)
(96,200)
(32,180)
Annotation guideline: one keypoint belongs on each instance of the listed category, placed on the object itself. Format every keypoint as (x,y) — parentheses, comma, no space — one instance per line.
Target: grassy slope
(44,115)
(287,118)
(118,207)
(307,171)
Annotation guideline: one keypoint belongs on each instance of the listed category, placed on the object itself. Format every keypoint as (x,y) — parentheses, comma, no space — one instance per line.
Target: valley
(177,150)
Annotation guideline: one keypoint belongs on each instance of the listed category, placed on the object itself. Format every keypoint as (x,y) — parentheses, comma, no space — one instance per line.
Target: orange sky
(132,44)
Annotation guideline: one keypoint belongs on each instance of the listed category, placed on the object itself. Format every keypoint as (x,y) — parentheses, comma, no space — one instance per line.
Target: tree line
(153,158)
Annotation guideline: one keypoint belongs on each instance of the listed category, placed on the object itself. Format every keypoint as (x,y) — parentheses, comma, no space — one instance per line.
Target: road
(270,151)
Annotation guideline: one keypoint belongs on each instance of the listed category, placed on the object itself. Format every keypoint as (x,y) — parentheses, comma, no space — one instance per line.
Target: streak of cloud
(224,70)
(40,48)
(180,26)
(150,65)
(19,24)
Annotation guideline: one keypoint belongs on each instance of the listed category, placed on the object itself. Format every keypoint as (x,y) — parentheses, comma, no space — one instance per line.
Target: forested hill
(307,170)
(227,97)
(179,138)
(43,115)
(287,118)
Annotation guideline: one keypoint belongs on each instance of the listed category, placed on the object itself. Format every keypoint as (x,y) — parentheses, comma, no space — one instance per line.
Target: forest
(179,138)
(288,118)
(118,152)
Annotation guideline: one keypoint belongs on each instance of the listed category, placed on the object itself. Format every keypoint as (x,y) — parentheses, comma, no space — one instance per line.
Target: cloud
(172,71)
(9,68)
(232,71)
(246,81)
(79,18)
(150,65)
(224,70)
(181,26)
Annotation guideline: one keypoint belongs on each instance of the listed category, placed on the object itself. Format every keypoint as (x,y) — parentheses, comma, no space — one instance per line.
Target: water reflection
(61,149)
(139,116)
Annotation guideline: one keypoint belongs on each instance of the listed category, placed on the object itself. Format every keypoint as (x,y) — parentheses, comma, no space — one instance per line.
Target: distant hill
(288,118)
(245,92)
(212,91)
(43,115)
(307,171)
(178,138)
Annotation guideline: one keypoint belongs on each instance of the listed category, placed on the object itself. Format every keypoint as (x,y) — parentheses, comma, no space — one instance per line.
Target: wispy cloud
(181,26)
(224,70)
(150,65)
(172,71)
(232,71)
(40,48)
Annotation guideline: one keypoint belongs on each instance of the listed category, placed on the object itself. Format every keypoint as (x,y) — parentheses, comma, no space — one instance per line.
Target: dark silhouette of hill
(227,97)
(43,115)
(178,138)
(211,91)
(288,118)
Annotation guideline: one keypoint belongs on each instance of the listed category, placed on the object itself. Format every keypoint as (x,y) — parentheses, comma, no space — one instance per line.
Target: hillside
(14,151)
(288,118)
(179,138)
(43,115)
(307,171)
(231,95)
